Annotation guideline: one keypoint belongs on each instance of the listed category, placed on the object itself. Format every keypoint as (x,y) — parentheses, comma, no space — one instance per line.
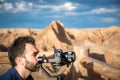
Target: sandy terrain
(104,45)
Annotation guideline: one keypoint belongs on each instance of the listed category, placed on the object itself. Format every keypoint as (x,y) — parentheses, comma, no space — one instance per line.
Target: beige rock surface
(104,45)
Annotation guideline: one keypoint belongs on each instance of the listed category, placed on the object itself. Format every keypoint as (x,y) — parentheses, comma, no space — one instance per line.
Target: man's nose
(37,56)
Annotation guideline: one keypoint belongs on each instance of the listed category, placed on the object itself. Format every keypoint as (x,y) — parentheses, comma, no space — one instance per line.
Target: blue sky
(38,14)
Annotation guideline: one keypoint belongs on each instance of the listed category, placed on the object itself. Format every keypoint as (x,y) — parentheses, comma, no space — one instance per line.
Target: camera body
(59,58)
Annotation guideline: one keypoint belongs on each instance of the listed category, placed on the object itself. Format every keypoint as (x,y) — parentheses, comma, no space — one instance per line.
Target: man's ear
(19,61)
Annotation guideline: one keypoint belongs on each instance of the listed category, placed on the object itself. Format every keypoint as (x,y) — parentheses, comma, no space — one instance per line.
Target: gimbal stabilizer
(60,58)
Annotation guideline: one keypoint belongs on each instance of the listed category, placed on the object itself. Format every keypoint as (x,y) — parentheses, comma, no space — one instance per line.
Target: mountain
(8,35)
(54,36)
(107,37)
(103,44)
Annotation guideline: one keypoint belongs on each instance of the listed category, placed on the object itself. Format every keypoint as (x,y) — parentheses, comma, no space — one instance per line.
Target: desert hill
(8,35)
(106,37)
(54,36)
(104,44)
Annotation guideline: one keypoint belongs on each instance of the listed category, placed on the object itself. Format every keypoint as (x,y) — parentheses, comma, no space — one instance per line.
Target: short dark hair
(18,47)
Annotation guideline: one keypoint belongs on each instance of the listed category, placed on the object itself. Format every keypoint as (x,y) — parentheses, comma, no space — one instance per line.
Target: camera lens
(70,56)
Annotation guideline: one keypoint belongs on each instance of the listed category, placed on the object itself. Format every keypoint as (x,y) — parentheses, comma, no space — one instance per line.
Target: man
(23,56)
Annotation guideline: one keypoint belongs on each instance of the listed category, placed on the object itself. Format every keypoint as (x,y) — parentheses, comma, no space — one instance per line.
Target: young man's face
(31,57)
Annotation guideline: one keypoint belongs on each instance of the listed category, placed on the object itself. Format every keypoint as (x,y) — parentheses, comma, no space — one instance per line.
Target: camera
(59,58)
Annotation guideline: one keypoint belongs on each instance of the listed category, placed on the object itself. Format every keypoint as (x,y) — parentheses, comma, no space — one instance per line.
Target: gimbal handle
(59,77)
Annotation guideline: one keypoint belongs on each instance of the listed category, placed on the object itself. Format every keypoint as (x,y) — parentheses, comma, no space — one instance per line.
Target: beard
(32,67)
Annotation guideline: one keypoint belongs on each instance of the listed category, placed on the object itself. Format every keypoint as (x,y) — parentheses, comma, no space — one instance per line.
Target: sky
(38,14)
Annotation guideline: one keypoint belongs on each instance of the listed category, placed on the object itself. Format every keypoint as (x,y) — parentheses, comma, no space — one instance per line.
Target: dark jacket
(12,74)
